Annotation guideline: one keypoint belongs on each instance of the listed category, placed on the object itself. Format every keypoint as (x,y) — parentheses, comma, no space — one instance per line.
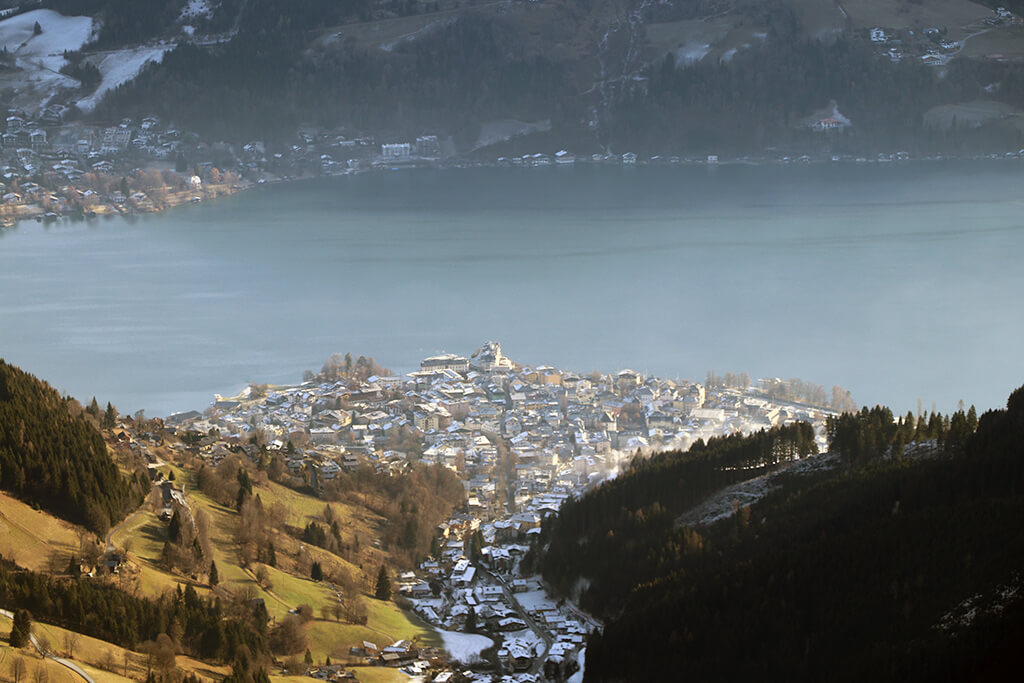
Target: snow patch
(963,615)
(196,8)
(465,647)
(728,55)
(60,33)
(581,659)
(120,67)
(422,31)
(501,130)
(692,52)
(39,58)
(725,502)
(536,601)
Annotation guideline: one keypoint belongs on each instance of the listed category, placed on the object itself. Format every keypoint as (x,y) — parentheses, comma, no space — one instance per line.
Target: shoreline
(12,214)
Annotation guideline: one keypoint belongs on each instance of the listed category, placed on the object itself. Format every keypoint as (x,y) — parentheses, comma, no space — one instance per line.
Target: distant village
(522,439)
(931,45)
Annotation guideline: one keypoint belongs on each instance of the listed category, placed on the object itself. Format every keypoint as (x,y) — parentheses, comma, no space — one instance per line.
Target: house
(491,593)
(626,381)
(37,139)
(629,158)
(511,624)
(364,649)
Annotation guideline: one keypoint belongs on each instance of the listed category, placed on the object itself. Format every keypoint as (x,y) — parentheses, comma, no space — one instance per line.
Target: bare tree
(263,578)
(70,643)
(40,673)
(18,668)
(57,563)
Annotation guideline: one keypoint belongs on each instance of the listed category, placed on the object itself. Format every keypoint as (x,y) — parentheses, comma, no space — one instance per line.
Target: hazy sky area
(896,281)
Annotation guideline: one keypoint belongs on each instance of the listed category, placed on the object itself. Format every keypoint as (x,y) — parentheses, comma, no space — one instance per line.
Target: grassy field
(387,33)
(143,533)
(100,656)
(366,674)
(722,36)
(1004,40)
(951,14)
(672,35)
(55,673)
(33,536)
(968,113)
(30,537)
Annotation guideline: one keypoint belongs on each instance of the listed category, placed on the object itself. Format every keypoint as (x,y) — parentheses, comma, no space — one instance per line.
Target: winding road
(60,660)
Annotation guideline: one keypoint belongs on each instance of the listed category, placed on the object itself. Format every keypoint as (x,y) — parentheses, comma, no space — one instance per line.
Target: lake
(898,281)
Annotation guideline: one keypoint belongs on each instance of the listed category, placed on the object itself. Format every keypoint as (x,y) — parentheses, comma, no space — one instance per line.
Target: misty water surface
(897,281)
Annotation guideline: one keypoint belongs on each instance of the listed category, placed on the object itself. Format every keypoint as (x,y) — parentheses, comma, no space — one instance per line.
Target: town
(522,440)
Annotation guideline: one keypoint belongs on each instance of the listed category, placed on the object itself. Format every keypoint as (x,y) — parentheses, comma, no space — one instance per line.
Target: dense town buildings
(522,439)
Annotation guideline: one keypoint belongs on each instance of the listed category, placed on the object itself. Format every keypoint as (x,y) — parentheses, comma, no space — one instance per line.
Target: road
(60,660)
(538,662)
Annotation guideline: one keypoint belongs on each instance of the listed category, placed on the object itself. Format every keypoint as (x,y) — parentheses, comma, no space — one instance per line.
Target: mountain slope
(699,77)
(883,569)
(58,461)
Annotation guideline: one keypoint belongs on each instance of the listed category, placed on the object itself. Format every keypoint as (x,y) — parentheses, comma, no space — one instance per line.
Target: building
(428,146)
(396,151)
(445,361)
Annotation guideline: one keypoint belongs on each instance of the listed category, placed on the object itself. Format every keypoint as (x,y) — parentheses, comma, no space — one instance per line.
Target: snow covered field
(60,33)
(582,660)
(535,601)
(196,8)
(724,503)
(465,647)
(40,57)
(120,67)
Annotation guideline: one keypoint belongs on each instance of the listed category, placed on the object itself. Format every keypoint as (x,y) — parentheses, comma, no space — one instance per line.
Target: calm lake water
(896,281)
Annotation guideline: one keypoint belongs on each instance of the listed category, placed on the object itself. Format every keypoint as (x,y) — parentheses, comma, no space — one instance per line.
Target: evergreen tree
(471,621)
(21,628)
(174,528)
(109,417)
(214,578)
(383,591)
(317,572)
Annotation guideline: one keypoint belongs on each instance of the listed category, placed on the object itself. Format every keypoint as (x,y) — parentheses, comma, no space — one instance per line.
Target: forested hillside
(902,563)
(204,627)
(464,73)
(633,515)
(57,461)
(589,67)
